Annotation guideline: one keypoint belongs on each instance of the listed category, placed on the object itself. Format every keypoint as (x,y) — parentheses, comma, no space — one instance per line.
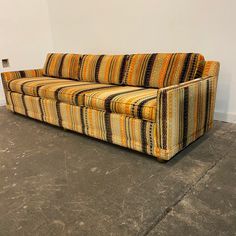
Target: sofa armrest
(186,111)
(211,68)
(7,76)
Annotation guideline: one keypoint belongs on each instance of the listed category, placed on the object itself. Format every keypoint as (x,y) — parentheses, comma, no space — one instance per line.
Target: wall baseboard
(227,117)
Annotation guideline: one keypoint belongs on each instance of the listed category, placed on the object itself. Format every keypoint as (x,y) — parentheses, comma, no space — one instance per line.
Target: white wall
(126,26)
(25,34)
(123,26)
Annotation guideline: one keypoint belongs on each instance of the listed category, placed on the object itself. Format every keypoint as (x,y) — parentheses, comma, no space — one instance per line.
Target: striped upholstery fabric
(161,69)
(211,68)
(107,69)
(132,101)
(65,90)
(62,65)
(13,75)
(7,76)
(28,85)
(159,122)
(119,129)
(33,86)
(186,111)
(71,94)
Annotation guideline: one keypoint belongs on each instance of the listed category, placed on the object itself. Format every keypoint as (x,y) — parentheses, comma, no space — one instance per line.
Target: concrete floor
(55,182)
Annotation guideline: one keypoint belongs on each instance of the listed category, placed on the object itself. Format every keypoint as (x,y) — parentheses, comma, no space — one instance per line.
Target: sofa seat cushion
(63,90)
(133,101)
(31,86)
(62,65)
(160,70)
(106,69)
(72,93)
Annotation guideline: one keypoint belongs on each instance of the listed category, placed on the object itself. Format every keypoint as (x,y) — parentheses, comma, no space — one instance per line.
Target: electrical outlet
(5,63)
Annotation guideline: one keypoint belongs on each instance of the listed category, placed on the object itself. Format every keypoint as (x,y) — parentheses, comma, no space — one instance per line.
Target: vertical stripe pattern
(161,69)
(185,112)
(121,115)
(62,65)
(7,76)
(107,69)
(111,127)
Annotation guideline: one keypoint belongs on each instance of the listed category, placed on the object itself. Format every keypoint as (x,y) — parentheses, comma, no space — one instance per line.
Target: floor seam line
(189,189)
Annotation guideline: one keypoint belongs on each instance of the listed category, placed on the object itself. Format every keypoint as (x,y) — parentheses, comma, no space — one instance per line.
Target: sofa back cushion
(162,69)
(106,69)
(62,65)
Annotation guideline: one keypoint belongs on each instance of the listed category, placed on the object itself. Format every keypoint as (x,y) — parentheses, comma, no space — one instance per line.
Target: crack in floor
(181,197)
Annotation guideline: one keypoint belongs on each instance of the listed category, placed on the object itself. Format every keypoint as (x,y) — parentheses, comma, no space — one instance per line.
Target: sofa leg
(161,160)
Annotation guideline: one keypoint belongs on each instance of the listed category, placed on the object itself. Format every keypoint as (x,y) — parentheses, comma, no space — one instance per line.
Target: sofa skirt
(133,133)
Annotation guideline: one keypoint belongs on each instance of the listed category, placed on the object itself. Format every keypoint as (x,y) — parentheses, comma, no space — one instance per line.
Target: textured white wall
(126,26)
(25,34)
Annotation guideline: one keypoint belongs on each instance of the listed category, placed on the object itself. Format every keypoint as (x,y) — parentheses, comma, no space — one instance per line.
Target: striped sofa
(153,103)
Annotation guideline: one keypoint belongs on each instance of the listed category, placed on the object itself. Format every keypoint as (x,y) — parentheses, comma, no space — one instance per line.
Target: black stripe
(149,69)
(169,69)
(185,117)
(185,67)
(193,67)
(37,72)
(127,68)
(22,73)
(207,106)
(40,86)
(41,109)
(57,91)
(76,95)
(9,83)
(151,138)
(122,69)
(199,70)
(135,104)
(24,105)
(164,119)
(82,119)
(143,136)
(108,127)
(80,63)
(98,67)
(82,58)
(26,82)
(108,100)
(48,62)
(61,65)
(141,105)
(59,113)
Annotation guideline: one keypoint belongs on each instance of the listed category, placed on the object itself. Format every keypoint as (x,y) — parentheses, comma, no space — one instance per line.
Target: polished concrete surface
(57,182)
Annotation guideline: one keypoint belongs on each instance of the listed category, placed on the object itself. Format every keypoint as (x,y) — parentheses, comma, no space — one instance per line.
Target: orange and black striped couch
(153,103)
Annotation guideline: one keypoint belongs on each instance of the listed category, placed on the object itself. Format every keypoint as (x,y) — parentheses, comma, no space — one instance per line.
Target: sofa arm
(6,76)
(185,111)
(211,68)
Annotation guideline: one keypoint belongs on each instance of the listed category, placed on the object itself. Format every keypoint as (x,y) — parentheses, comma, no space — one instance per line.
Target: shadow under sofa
(153,103)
